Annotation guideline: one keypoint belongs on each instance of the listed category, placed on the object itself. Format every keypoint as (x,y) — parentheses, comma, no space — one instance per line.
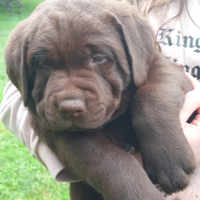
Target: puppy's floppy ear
(137,38)
(16,65)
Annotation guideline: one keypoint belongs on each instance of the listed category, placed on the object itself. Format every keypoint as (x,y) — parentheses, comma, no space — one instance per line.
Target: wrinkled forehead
(73,31)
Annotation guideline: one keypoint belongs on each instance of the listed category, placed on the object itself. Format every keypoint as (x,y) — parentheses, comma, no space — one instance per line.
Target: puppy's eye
(43,65)
(40,61)
(100,59)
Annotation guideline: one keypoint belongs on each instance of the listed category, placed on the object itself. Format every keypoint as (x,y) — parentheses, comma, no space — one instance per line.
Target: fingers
(192,134)
(196,120)
(192,129)
(192,101)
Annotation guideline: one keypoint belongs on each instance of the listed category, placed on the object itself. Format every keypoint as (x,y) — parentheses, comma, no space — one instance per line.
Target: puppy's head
(74,61)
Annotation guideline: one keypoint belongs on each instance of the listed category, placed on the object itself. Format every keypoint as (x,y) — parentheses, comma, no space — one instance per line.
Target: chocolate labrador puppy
(96,87)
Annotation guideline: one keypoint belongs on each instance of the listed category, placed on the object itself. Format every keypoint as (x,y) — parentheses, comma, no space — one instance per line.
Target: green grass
(21,176)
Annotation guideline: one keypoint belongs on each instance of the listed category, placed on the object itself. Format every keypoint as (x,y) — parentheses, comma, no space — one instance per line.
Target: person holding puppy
(169,25)
(177,29)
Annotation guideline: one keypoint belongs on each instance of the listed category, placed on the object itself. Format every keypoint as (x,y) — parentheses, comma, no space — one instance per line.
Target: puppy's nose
(71,107)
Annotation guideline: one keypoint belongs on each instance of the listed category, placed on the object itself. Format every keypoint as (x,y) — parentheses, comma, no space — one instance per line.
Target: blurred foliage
(9,4)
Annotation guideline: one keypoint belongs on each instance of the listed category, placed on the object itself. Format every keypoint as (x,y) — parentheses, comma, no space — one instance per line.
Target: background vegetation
(21,176)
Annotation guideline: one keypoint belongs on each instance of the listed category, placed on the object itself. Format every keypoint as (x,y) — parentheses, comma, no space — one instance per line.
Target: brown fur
(82,67)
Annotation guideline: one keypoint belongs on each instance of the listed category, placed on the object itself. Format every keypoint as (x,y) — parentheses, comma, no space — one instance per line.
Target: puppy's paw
(170,169)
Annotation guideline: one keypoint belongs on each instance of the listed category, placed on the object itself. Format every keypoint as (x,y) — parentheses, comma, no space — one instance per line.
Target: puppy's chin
(69,125)
(76,129)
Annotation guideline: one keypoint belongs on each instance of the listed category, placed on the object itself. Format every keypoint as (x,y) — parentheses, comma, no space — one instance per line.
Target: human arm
(15,118)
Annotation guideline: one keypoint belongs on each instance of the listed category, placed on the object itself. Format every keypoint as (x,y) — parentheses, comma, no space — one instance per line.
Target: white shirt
(180,38)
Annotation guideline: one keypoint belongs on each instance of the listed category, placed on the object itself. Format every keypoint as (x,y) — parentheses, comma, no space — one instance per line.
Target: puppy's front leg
(166,154)
(113,172)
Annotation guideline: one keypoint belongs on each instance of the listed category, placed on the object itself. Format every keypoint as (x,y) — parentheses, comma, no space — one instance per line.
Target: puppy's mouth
(87,120)
(75,114)
(70,125)
(79,121)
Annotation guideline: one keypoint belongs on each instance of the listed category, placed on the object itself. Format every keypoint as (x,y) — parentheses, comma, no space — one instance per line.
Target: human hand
(192,133)
(192,129)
